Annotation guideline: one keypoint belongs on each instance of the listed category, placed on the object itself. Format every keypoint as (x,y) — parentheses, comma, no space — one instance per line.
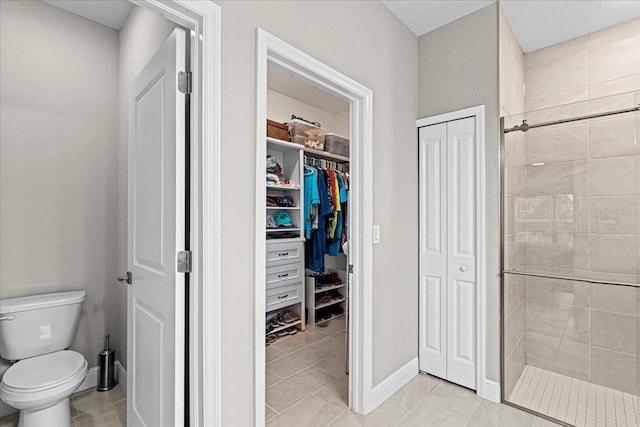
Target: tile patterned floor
(306,386)
(574,401)
(91,408)
(305,373)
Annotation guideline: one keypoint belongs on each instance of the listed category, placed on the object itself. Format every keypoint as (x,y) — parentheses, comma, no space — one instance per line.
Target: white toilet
(35,331)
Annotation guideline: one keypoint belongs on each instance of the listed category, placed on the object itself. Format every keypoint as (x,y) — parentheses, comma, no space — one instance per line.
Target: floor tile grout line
(473,413)
(297,372)
(287,353)
(277,413)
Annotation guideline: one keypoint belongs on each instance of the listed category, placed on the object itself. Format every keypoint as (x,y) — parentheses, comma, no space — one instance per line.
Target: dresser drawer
(283,296)
(284,274)
(284,253)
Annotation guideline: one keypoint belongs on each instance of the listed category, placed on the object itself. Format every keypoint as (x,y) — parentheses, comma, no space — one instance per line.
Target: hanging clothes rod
(326,164)
(526,126)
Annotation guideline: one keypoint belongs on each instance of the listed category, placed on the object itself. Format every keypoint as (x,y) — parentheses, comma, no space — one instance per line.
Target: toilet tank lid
(34,302)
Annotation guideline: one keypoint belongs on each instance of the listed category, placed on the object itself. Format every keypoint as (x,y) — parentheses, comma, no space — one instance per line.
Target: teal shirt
(311,197)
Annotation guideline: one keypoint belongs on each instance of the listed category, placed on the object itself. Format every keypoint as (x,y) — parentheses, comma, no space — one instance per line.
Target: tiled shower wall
(572,201)
(584,330)
(579,199)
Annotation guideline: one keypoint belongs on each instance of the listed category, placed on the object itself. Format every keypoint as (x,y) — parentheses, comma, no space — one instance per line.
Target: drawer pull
(283,296)
(283,254)
(283,275)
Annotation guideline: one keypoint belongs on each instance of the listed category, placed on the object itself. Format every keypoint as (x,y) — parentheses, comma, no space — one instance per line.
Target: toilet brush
(106,359)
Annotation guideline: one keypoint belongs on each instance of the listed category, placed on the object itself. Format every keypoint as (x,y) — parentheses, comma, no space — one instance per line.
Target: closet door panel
(461,350)
(433,249)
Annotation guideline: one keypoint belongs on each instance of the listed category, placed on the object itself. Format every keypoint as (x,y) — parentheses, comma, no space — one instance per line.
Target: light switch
(376,234)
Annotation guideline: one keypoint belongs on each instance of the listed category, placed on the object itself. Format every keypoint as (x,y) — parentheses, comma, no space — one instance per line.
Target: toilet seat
(43,380)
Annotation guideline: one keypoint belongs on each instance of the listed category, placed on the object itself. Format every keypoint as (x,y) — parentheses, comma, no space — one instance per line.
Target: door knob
(128,279)
(463,268)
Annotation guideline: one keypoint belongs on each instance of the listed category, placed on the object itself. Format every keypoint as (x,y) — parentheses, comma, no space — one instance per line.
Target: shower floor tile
(575,401)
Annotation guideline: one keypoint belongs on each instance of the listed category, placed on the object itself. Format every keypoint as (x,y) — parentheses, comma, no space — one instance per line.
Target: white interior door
(461,267)
(433,249)
(155,322)
(447,251)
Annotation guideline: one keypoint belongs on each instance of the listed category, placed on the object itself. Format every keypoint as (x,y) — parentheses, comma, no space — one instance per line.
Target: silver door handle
(463,268)
(8,317)
(128,278)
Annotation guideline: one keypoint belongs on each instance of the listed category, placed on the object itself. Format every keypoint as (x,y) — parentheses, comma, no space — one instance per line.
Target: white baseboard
(121,376)
(90,381)
(393,383)
(491,391)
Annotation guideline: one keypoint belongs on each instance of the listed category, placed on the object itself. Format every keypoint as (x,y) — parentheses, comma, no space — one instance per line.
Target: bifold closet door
(447,251)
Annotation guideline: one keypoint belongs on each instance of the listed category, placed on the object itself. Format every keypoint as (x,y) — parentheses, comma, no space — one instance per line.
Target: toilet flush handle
(8,317)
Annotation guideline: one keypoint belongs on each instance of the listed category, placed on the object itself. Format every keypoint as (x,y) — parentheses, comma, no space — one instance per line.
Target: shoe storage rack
(326,299)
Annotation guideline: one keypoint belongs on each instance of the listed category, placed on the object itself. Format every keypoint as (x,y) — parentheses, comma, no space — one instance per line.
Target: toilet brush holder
(106,361)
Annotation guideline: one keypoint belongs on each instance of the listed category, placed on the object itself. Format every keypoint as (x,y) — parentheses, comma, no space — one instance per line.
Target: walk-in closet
(307,243)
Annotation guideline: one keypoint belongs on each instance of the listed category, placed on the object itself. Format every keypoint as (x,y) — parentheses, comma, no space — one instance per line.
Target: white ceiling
(536,23)
(279,80)
(539,24)
(111,13)
(422,16)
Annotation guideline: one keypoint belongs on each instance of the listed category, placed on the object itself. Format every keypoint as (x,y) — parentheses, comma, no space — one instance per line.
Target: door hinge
(350,268)
(184,82)
(184,262)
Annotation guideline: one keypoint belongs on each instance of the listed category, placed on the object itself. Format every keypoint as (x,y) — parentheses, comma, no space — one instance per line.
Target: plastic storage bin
(306,134)
(336,144)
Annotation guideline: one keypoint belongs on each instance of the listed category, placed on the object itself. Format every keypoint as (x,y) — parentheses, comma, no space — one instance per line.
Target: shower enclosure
(571,262)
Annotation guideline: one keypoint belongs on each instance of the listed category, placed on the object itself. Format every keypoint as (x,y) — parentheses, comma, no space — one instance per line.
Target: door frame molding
(272,49)
(203,18)
(484,388)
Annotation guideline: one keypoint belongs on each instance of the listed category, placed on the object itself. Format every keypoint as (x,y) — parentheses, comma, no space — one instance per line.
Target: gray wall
(139,38)
(58,161)
(458,68)
(367,43)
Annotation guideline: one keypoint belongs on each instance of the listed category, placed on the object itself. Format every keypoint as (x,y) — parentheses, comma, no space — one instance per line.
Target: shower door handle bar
(525,126)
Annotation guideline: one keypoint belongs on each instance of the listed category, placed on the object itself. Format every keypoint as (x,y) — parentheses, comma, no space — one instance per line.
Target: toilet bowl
(34,332)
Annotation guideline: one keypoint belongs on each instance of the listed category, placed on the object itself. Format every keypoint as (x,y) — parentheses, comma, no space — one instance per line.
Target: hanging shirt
(311,197)
(315,247)
(334,243)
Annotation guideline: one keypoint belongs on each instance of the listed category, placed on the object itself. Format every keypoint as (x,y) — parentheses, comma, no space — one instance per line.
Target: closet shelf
(330,303)
(287,240)
(333,316)
(283,187)
(316,153)
(277,230)
(282,328)
(328,288)
(284,208)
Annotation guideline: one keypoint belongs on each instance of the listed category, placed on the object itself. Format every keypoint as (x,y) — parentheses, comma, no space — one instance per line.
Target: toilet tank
(38,324)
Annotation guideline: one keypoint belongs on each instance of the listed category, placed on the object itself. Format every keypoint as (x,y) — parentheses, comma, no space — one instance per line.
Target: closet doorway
(313,205)
(452,242)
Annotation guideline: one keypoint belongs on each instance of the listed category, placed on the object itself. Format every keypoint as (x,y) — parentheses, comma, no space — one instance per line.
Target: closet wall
(458,68)
(365,41)
(280,108)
